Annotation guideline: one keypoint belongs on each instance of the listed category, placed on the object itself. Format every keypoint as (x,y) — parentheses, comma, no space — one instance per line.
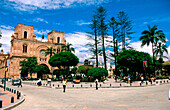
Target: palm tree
(50,51)
(160,49)
(152,36)
(68,48)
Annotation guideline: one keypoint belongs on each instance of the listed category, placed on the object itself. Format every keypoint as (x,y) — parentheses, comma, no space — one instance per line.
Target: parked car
(15,82)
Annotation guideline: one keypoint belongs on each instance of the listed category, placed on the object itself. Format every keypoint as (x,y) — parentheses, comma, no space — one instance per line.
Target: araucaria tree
(93,36)
(125,25)
(63,60)
(152,36)
(102,29)
(114,26)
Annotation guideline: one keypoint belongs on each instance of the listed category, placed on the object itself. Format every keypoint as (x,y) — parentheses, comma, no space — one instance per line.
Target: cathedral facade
(24,44)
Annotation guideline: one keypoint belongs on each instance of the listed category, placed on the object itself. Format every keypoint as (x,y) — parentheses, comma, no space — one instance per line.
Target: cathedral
(23,45)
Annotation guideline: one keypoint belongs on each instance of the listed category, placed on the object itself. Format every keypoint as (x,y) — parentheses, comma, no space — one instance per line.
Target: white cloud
(6,38)
(41,32)
(81,22)
(147,49)
(28,5)
(7,27)
(79,40)
(40,20)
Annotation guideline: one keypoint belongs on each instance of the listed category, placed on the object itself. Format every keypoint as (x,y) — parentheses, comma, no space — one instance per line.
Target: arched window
(24,48)
(25,34)
(58,39)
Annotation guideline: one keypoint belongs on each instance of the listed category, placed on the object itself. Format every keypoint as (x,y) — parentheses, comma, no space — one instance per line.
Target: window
(58,39)
(24,48)
(25,34)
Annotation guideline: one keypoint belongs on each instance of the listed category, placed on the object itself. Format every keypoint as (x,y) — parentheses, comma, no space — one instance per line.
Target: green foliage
(162,77)
(102,29)
(98,73)
(84,69)
(50,51)
(57,72)
(133,60)
(63,59)
(152,35)
(68,48)
(125,25)
(86,62)
(93,36)
(40,69)
(73,70)
(29,65)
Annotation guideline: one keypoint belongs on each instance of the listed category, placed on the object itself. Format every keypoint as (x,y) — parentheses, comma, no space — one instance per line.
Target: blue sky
(74,16)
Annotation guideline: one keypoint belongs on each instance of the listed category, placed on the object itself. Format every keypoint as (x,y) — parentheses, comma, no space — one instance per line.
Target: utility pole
(6,69)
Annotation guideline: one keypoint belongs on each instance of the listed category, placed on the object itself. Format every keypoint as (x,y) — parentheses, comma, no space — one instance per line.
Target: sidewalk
(107,84)
(5,97)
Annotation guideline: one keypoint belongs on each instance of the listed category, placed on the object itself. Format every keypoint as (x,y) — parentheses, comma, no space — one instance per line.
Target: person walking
(142,79)
(20,83)
(96,81)
(128,78)
(64,85)
(39,82)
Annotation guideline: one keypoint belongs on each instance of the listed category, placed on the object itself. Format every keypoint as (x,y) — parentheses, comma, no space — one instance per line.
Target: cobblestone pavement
(127,98)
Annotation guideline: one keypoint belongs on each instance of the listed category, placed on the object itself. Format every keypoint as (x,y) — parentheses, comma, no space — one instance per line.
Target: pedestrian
(39,82)
(96,81)
(142,79)
(128,78)
(20,83)
(64,85)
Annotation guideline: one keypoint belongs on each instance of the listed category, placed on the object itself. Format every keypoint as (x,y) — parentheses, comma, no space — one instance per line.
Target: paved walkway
(5,97)
(107,84)
(126,98)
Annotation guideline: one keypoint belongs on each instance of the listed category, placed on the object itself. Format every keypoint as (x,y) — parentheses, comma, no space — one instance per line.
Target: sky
(74,16)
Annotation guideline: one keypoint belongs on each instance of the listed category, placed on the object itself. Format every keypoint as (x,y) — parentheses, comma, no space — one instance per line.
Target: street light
(6,69)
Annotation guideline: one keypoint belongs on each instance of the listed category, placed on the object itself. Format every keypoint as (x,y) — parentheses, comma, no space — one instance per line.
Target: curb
(8,107)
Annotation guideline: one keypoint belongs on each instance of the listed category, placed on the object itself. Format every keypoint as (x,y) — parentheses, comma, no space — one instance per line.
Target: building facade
(24,44)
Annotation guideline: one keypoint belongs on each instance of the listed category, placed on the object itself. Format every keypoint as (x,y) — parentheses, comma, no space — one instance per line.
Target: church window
(58,39)
(25,34)
(24,48)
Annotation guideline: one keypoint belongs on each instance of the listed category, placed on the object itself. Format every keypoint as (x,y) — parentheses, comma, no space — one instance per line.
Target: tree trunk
(96,48)
(104,54)
(153,61)
(114,43)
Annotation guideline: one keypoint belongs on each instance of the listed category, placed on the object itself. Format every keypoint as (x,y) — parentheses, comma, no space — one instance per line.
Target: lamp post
(6,69)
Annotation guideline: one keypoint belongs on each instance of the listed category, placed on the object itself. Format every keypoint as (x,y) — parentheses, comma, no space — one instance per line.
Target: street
(127,98)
